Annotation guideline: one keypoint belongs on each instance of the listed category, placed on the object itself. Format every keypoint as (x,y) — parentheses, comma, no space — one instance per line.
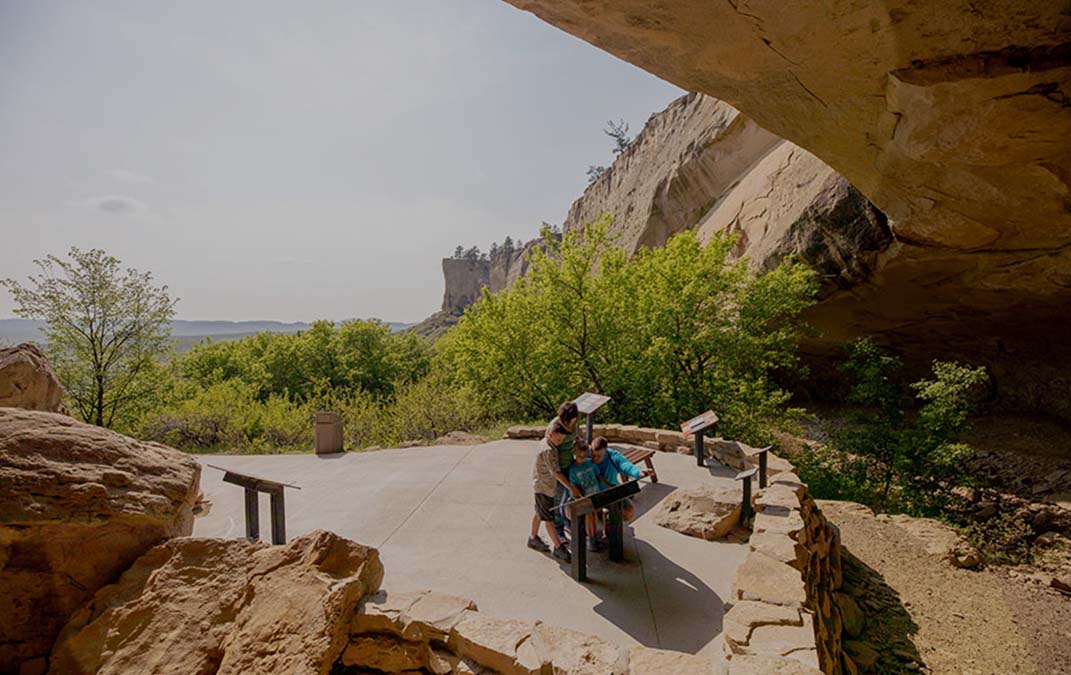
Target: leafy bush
(901,450)
(1003,538)
(669,333)
(356,355)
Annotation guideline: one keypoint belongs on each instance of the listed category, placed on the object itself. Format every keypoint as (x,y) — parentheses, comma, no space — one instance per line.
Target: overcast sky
(294,161)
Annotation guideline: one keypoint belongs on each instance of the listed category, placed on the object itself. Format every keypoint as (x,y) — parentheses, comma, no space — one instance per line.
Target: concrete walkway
(455,519)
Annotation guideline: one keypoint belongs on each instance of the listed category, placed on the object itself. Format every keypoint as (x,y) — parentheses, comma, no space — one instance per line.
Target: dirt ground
(927,615)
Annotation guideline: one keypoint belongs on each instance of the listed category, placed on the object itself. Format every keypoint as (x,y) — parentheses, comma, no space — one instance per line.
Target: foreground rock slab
(216,606)
(78,504)
(426,631)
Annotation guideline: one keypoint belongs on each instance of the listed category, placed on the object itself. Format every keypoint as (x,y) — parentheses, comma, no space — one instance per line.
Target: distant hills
(14,331)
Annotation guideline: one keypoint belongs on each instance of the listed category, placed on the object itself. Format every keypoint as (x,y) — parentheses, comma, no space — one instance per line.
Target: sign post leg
(579,547)
(614,533)
(762,469)
(278,518)
(700,458)
(745,505)
(252,515)
(589,429)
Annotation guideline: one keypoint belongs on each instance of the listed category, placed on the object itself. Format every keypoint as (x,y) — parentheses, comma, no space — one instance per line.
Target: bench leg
(615,532)
(579,547)
(650,465)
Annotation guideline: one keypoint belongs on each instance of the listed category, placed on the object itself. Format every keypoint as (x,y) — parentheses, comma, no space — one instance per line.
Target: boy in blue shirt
(584,475)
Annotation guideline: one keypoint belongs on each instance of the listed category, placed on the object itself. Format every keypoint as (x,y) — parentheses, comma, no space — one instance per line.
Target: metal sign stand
(611,499)
(745,504)
(588,403)
(253,486)
(697,426)
(761,454)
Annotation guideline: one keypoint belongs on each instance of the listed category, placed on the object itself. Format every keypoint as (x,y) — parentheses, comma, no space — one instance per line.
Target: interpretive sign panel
(588,402)
(700,422)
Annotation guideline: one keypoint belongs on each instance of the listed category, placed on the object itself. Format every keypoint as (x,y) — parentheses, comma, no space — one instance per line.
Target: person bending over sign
(611,463)
(567,418)
(546,477)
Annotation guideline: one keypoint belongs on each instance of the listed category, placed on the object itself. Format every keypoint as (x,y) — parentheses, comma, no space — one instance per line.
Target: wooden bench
(637,455)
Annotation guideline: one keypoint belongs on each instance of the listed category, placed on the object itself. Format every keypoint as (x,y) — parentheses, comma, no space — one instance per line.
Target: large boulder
(709,511)
(216,606)
(78,504)
(27,380)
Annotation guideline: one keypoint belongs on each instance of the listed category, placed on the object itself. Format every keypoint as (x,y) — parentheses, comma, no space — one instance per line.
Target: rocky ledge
(78,504)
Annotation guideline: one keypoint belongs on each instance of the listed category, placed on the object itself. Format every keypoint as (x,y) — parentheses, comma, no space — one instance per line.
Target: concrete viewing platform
(455,519)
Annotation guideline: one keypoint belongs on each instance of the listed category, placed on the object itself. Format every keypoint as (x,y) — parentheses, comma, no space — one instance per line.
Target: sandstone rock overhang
(954,120)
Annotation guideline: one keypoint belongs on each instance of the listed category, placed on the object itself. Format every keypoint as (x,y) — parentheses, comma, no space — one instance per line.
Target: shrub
(901,449)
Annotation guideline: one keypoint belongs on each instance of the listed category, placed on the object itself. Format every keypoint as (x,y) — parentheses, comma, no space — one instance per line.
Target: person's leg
(535,526)
(559,515)
(628,510)
(552,533)
(591,525)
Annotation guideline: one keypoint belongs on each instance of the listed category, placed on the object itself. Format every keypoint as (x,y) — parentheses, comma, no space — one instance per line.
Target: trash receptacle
(328,433)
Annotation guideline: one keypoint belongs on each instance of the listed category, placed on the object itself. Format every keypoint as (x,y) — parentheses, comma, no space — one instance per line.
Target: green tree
(669,333)
(914,459)
(106,329)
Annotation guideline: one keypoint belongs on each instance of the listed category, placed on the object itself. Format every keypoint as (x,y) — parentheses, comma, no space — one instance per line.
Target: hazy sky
(294,161)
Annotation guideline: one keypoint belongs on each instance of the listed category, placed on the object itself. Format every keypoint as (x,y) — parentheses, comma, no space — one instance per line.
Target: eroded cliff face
(953,119)
(464,280)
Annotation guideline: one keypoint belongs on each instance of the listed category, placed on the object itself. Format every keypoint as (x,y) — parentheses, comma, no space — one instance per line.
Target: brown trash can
(328,433)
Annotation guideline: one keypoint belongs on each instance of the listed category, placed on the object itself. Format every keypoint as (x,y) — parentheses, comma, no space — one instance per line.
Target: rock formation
(708,512)
(216,606)
(441,634)
(78,504)
(954,120)
(27,380)
(464,280)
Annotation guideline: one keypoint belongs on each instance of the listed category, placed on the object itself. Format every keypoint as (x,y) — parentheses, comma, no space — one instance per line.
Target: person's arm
(564,480)
(626,467)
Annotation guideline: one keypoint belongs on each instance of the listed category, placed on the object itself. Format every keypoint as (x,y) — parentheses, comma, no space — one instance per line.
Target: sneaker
(562,553)
(537,544)
(596,545)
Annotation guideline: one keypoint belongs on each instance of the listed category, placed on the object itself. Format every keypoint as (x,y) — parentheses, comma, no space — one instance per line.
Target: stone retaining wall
(730,453)
(429,632)
(783,605)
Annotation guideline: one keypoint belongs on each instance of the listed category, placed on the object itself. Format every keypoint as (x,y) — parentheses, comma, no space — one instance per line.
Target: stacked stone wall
(783,607)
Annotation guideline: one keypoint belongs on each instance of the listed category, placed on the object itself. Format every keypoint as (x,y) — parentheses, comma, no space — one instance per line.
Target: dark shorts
(544,506)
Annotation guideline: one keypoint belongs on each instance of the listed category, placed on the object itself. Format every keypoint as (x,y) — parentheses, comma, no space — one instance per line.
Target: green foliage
(231,416)
(1003,538)
(900,452)
(107,330)
(670,332)
(354,356)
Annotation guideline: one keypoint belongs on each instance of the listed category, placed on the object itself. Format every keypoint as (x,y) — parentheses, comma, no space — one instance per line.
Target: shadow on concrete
(333,455)
(686,619)
(719,470)
(651,496)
